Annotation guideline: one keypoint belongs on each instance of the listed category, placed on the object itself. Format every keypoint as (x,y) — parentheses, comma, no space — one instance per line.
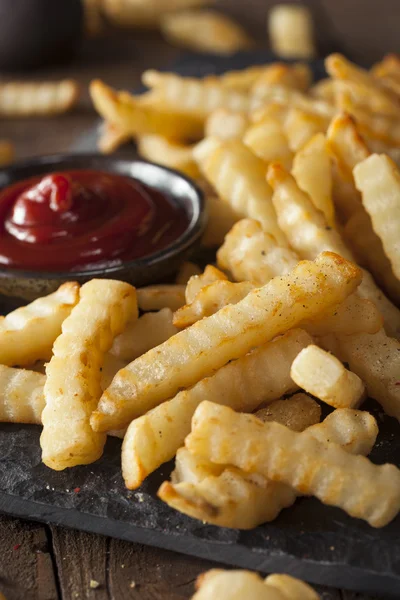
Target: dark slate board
(319,544)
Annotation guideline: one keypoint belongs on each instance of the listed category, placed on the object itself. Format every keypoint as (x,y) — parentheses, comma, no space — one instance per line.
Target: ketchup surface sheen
(78,220)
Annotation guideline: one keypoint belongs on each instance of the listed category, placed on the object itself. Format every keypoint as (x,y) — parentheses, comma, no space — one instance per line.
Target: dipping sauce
(78,220)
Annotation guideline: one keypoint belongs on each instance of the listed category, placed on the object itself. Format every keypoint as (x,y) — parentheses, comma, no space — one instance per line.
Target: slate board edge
(339,576)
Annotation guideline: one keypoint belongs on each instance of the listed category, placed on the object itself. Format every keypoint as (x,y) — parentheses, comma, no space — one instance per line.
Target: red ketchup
(79,220)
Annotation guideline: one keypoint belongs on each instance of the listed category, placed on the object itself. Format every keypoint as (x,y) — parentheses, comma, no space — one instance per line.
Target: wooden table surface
(41,562)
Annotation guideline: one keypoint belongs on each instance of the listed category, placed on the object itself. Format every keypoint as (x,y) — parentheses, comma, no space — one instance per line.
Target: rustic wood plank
(26,566)
(80,558)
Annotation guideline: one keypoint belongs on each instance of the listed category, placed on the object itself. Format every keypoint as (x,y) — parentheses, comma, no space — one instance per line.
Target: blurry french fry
(368,248)
(388,72)
(382,100)
(195,352)
(195,98)
(300,126)
(210,299)
(360,94)
(273,110)
(326,471)
(298,412)
(169,153)
(226,124)
(156,297)
(144,13)
(378,180)
(232,498)
(25,99)
(324,89)
(154,438)
(205,31)
(323,375)
(136,116)
(243,79)
(292,98)
(221,218)
(376,360)
(197,282)
(111,138)
(251,254)
(232,585)
(268,141)
(73,384)
(290,29)
(21,395)
(27,334)
(7,153)
(297,76)
(150,330)
(239,178)
(312,171)
(186,271)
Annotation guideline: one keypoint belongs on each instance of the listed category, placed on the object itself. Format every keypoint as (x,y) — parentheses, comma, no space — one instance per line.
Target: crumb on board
(94,584)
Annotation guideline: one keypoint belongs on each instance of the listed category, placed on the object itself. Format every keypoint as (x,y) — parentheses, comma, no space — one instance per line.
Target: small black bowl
(142,271)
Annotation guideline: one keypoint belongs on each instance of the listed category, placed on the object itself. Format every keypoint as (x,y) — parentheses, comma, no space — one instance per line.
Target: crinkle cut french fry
(197,282)
(221,219)
(298,412)
(361,95)
(226,124)
(111,138)
(376,360)
(312,171)
(195,352)
(137,116)
(205,31)
(387,73)
(232,498)
(73,385)
(346,143)
(21,395)
(239,178)
(378,180)
(169,153)
(156,297)
(353,483)
(323,375)
(251,254)
(268,141)
(324,89)
(27,334)
(27,99)
(297,76)
(300,126)
(144,13)
(290,29)
(194,97)
(292,98)
(261,376)
(150,330)
(7,153)
(210,299)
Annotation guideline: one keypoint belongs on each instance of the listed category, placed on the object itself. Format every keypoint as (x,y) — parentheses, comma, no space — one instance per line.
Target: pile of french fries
(226,369)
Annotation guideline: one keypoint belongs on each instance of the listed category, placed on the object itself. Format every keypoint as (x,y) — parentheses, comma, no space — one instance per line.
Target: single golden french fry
(291,31)
(144,13)
(150,330)
(205,30)
(186,271)
(361,95)
(297,76)
(7,153)
(46,98)
(268,141)
(221,218)
(137,116)
(169,153)
(73,384)
(298,412)
(226,124)
(28,333)
(156,297)
(197,282)
(241,80)
(111,138)
(326,471)
(261,376)
(312,171)
(251,254)
(300,126)
(21,395)
(378,180)
(193,97)
(346,143)
(239,178)
(210,299)
(323,375)
(309,289)
(376,360)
